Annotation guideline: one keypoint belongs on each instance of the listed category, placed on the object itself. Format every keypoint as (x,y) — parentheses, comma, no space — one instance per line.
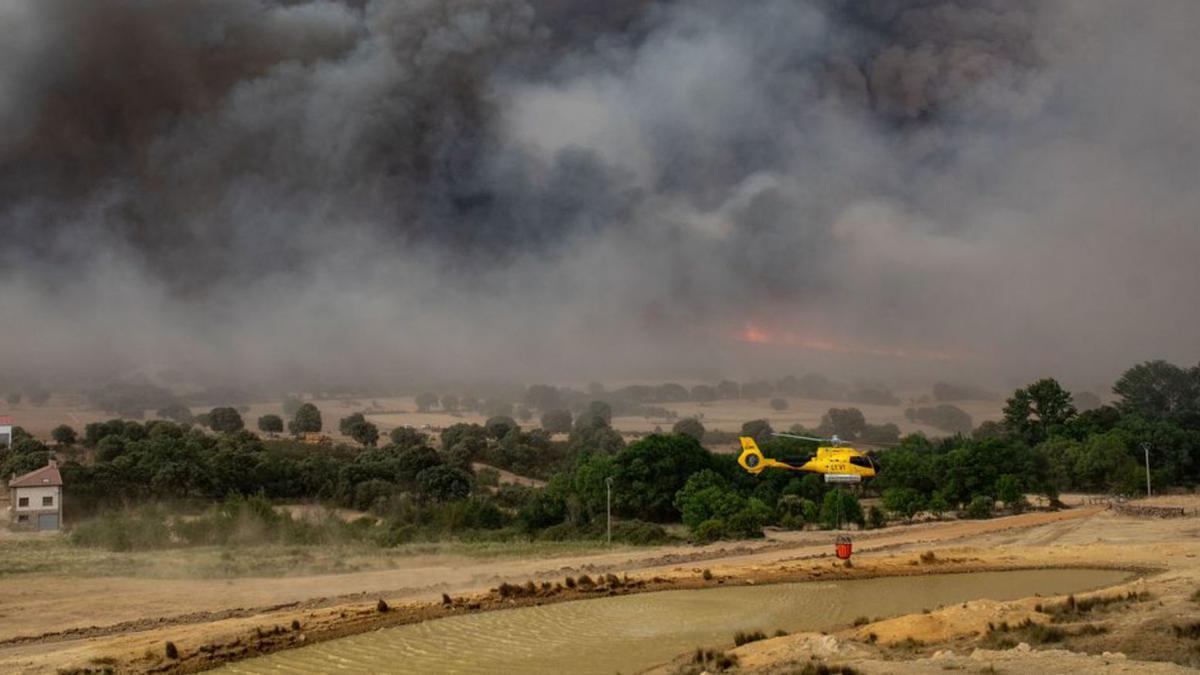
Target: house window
(22,519)
(22,501)
(47,501)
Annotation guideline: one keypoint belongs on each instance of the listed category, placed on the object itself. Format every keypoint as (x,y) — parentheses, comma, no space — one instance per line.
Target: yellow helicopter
(838,464)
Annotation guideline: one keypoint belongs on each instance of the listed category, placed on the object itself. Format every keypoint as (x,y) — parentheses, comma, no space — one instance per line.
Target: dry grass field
(389,413)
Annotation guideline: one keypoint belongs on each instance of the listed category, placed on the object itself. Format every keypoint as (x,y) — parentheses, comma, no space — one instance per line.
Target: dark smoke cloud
(397,191)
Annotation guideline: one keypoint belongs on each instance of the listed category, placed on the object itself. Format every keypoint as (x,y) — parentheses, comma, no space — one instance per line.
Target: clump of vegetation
(381,606)
(1187,631)
(1072,608)
(1003,635)
(570,582)
(929,557)
(740,638)
(861,621)
(707,574)
(171,650)
(710,660)
(819,668)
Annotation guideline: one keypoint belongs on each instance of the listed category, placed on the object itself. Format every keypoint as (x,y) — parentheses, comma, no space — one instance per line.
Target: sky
(392,193)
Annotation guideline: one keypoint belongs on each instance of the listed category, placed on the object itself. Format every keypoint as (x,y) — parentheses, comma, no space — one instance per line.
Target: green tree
(841,507)
(64,435)
(1034,412)
(904,501)
(706,495)
(557,421)
(689,426)
(779,404)
(444,484)
(449,402)
(596,414)
(759,430)
(1008,490)
(1159,390)
(937,505)
(357,427)
(225,420)
(270,424)
(500,426)
(980,507)
(650,471)
(845,423)
(408,437)
(307,420)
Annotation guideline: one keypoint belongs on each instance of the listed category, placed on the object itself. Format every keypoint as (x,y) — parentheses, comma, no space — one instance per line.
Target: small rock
(1023,647)
(1116,656)
(943,654)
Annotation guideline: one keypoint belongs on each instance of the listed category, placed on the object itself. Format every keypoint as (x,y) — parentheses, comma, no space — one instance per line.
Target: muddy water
(628,633)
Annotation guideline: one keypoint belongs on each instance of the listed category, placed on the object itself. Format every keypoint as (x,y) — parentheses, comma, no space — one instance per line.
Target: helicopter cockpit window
(861,461)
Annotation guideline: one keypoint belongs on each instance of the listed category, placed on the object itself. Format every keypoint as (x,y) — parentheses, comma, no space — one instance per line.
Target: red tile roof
(5,421)
(47,476)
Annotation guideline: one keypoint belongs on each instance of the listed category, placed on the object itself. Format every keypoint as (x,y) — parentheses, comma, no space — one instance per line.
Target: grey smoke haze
(561,190)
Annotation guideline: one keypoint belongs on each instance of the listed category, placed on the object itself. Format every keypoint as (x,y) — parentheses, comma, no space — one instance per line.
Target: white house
(5,430)
(36,499)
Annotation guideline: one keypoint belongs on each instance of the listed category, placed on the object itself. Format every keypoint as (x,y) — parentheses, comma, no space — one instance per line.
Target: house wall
(34,507)
(35,495)
(5,435)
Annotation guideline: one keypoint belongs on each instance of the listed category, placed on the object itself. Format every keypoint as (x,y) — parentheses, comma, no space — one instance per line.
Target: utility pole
(608,507)
(1146,449)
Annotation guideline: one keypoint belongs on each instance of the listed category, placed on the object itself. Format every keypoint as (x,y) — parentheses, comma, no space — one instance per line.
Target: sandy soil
(50,621)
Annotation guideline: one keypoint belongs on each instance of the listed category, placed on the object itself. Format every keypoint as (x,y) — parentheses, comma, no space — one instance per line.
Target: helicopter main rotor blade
(802,438)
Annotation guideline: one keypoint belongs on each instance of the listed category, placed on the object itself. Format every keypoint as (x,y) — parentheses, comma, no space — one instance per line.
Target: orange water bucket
(843,547)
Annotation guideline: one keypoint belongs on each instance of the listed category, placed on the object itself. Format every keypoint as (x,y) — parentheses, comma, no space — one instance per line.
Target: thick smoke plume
(384,192)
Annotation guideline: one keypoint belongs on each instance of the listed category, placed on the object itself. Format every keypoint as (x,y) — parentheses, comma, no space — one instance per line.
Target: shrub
(980,507)
(875,518)
(710,531)
(740,638)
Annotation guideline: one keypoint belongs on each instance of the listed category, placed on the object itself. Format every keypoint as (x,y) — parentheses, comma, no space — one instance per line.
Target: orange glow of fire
(756,334)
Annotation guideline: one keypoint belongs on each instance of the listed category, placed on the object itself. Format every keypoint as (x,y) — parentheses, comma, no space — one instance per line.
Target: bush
(980,507)
(740,638)
(875,518)
(710,531)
